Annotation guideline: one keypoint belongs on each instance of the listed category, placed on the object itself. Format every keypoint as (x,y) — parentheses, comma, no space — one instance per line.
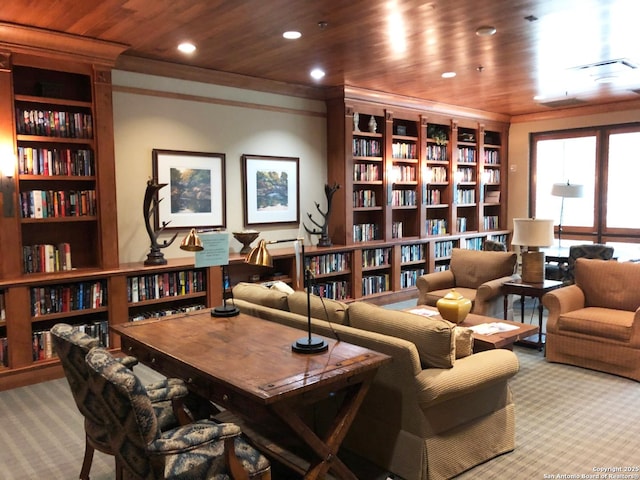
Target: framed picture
(195,192)
(271,189)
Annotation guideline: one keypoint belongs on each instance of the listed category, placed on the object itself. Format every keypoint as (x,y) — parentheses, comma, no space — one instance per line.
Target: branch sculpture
(325,240)
(150,207)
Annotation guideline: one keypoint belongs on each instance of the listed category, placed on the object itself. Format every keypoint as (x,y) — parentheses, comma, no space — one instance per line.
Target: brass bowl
(245,238)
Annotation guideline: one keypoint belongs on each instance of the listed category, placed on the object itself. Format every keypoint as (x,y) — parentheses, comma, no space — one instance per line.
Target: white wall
(210,119)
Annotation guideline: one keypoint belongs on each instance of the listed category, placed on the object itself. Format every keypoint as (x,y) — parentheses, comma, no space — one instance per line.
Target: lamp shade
(532,232)
(566,190)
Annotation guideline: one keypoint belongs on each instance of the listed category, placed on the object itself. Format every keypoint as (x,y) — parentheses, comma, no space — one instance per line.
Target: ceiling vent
(607,69)
(563,102)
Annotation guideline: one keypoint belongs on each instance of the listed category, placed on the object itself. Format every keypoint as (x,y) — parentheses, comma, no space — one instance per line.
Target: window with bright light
(563,160)
(604,161)
(623,172)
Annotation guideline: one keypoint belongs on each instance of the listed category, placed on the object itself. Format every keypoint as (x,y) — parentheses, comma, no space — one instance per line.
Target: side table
(533,290)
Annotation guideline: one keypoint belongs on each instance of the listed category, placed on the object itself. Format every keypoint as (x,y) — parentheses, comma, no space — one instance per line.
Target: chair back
(590,250)
(72,346)
(493,246)
(131,421)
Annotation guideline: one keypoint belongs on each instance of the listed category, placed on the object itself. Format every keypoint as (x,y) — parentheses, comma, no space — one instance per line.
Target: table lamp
(565,190)
(193,243)
(260,256)
(532,233)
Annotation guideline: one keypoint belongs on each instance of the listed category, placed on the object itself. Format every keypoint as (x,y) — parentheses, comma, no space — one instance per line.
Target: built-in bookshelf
(436,175)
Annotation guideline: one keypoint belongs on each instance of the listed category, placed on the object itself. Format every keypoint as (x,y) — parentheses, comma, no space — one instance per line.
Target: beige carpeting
(569,421)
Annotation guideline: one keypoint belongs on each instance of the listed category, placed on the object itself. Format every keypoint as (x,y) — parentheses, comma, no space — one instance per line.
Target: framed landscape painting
(195,192)
(271,189)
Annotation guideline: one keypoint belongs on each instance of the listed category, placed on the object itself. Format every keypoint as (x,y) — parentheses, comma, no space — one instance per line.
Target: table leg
(540,314)
(521,308)
(326,449)
(505,305)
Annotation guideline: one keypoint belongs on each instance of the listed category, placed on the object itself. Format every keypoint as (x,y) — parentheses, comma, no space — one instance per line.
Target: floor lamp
(193,243)
(532,233)
(565,190)
(260,256)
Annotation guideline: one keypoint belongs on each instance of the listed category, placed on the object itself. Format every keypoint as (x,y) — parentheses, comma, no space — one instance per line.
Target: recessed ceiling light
(486,31)
(448,74)
(187,47)
(317,73)
(292,35)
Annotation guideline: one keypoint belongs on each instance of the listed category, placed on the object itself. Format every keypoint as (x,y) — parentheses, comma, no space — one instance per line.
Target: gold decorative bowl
(245,238)
(454,307)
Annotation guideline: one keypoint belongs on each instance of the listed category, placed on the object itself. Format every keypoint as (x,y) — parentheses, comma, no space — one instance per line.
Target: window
(604,161)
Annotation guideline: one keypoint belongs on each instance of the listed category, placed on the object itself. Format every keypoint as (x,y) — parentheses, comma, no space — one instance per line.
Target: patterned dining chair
(71,345)
(589,250)
(201,450)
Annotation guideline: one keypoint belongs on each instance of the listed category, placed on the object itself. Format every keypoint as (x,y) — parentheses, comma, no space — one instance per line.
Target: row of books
(412,253)
(42,346)
(474,243)
(376,257)
(465,174)
(436,226)
(165,312)
(465,196)
(436,175)
(403,198)
(408,278)
(329,263)
(364,198)
(461,224)
(404,150)
(4,352)
(55,161)
(3,312)
(491,222)
(365,232)
(57,203)
(367,147)
(372,284)
(46,258)
(69,297)
(54,123)
(366,172)
(396,230)
(492,175)
(443,249)
(434,196)
(437,153)
(466,155)
(403,173)
(167,284)
(492,157)
(338,290)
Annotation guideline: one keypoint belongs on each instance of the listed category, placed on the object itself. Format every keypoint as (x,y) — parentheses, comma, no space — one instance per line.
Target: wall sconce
(7,184)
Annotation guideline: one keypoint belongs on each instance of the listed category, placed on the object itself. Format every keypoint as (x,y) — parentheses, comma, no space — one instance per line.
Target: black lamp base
(225,311)
(310,345)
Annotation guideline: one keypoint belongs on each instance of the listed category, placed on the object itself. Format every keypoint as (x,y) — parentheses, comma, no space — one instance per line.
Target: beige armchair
(477,275)
(595,323)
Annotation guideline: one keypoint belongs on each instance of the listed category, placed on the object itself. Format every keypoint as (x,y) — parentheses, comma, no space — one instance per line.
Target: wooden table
(495,340)
(534,290)
(245,365)
(498,339)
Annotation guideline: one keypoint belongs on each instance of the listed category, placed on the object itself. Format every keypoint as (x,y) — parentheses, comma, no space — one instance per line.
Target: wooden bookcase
(420,174)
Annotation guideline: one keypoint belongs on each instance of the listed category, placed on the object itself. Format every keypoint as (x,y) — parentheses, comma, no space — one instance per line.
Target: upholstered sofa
(475,274)
(433,412)
(595,323)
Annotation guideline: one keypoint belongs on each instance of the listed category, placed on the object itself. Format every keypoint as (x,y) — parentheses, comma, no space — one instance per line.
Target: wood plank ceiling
(394,46)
